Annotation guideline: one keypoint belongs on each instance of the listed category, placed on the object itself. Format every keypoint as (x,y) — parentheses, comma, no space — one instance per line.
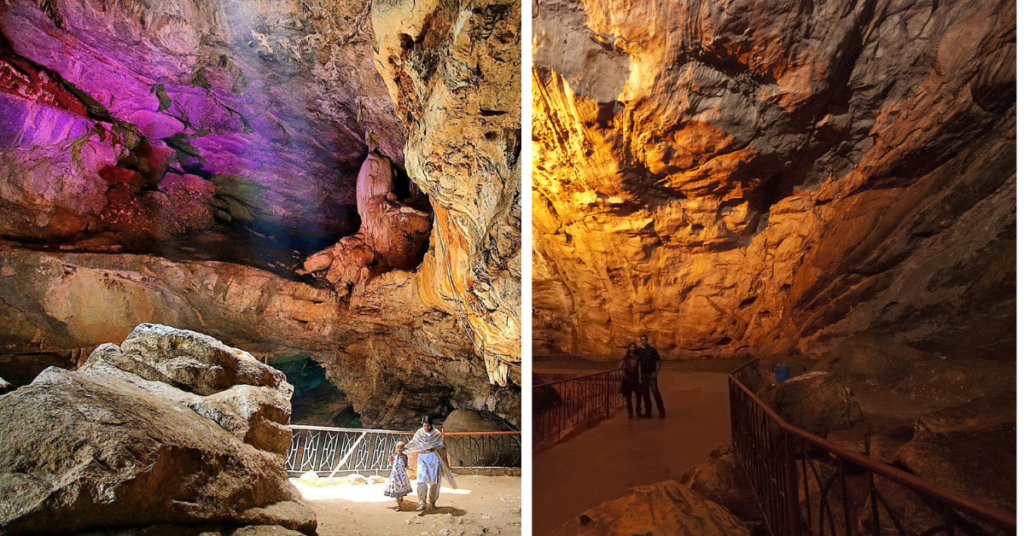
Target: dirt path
(482,505)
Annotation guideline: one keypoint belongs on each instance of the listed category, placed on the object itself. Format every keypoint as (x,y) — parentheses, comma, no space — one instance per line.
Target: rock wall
(178,162)
(453,70)
(393,359)
(763,177)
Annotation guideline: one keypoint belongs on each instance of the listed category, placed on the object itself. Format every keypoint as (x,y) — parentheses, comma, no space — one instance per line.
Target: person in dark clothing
(631,379)
(650,365)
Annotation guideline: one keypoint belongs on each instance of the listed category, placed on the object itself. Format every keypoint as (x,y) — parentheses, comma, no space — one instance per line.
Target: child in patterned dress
(398,484)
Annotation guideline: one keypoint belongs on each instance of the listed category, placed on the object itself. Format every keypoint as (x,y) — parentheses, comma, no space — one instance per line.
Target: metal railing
(807,485)
(329,451)
(558,407)
(576,362)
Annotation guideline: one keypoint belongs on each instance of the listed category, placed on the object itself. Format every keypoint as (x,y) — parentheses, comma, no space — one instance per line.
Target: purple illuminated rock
(189,75)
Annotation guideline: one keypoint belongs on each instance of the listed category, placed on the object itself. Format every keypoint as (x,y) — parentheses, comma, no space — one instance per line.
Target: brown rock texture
(392,357)
(723,480)
(453,71)
(815,402)
(118,445)
(180,162)
(660,509)
(759,177)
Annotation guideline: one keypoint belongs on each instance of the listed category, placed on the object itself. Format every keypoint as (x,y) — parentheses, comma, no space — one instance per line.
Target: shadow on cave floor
(482,504)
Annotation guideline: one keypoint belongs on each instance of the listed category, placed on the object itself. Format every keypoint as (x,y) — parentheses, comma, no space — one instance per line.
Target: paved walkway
(603,462)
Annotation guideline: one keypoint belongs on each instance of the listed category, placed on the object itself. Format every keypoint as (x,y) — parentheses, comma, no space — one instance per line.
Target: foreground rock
(662,509)
(815,402)
(131,441)
(723,480)
(970,463)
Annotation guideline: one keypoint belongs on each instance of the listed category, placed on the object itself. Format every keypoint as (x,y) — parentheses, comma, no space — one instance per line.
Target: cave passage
(601,463)
(316,401)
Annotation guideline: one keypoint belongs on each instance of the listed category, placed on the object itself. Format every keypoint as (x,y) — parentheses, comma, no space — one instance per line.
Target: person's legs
(657,398)
(627,393)
(421,494)
(435,492)
(645,390)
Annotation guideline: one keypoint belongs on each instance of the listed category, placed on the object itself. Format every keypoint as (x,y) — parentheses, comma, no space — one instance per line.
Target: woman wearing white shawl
(431,465)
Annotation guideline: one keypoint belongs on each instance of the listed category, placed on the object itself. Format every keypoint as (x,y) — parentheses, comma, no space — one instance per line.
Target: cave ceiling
(746,177)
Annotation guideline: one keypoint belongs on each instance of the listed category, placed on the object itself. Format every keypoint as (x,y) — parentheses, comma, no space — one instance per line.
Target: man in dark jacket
(650,364)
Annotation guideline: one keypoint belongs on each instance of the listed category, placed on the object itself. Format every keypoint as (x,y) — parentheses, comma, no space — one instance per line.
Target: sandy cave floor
(482,505)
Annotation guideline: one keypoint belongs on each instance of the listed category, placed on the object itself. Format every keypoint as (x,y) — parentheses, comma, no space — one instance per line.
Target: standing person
(398,484)
(631,379)
(431,465)
(650,365)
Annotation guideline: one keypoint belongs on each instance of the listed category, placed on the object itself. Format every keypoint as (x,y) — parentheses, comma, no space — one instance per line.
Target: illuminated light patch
(362,493)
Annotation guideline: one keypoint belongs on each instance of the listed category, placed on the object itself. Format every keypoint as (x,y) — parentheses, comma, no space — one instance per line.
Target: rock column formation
(753,177)
(453,71)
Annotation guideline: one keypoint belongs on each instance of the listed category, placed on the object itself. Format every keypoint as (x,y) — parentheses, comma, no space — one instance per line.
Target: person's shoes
(661,415)
(630,415)
(432,507)
(421,508)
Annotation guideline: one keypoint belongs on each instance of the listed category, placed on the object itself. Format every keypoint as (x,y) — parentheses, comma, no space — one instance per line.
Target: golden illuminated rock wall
(744,176)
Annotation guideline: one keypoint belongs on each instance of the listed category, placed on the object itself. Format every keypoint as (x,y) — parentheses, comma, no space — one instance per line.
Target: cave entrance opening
(316,401)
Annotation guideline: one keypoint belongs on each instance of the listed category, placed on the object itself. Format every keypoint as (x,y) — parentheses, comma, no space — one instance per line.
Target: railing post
(792,495)
(607,400)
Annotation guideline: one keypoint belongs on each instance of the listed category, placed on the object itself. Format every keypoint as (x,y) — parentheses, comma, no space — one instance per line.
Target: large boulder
(478,451)
(815,402)
(188,360)
(972,463)
(467,420)
(108,448)
(666,508)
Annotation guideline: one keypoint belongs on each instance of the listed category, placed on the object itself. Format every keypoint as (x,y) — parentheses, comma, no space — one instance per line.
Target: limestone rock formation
(462,420)
(661,509)
(723,480)
(453,71)
(762,176)
(127,441)
(177,162)
(815,402)
(951,460)
(273,106)
(392,235)
(392,372)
